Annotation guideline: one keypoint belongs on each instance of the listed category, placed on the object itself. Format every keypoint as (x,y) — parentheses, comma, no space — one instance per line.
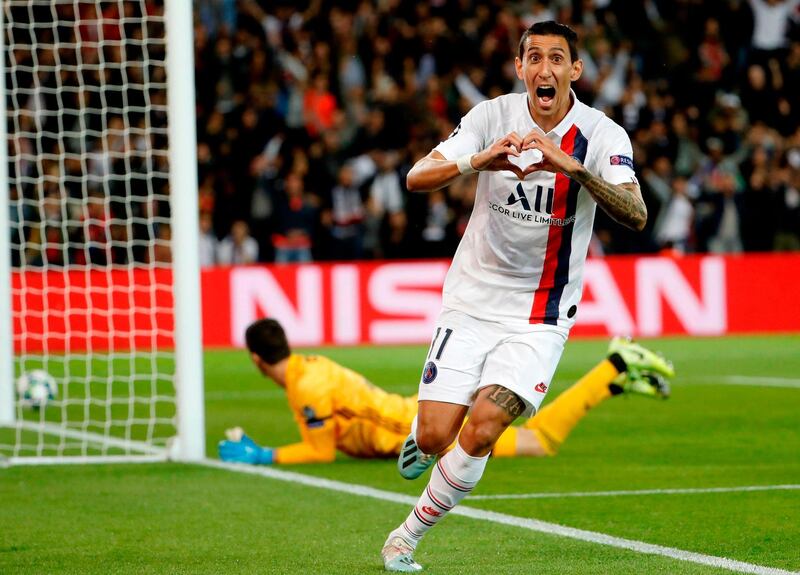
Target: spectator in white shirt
(239,247)
(385,219)
(770,24)
(674,225)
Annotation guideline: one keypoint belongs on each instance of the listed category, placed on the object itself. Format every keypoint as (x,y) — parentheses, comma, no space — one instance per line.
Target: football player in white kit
(512,291)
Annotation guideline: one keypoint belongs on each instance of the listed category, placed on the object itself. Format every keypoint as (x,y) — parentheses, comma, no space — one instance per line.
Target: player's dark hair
(266,338)
(551,28)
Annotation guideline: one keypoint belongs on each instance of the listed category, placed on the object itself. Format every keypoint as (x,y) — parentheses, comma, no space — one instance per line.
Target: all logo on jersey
(429,373)
(544,200)
(541,387)
(519,196)
(542,205)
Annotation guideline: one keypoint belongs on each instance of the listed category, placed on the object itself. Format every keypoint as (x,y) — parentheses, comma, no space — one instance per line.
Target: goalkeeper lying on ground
(336,408)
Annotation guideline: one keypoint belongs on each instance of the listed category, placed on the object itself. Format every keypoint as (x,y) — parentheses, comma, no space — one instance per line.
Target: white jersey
(522,256)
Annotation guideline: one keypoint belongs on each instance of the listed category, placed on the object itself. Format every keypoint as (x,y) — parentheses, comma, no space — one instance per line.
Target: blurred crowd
(310,114)
(87,132)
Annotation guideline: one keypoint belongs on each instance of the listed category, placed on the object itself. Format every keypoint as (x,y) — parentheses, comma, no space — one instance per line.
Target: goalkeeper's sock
(506,445)
(556,420)
(453,477)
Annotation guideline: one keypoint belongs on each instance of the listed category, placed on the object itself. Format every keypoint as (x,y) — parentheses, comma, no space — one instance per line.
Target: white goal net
(90,231)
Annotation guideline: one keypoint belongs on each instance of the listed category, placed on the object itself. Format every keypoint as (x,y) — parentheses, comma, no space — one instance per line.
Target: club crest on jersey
(541,387)
(622,161)
(429,373)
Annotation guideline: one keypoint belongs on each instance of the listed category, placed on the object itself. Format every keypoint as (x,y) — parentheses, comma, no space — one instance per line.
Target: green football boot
(647,383)
(633,358)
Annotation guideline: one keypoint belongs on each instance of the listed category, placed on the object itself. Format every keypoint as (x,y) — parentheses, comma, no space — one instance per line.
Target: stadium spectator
(760,99)
(208,242)
(238,247)
(386,218)
(787,182)
(674,227)
(96,231)
(716,185)
(295,217)
(771,25)
(319,105)
(344,217)
(437,221)
(712,61)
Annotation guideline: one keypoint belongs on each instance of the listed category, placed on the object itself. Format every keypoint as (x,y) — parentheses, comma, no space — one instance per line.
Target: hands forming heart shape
(524,156)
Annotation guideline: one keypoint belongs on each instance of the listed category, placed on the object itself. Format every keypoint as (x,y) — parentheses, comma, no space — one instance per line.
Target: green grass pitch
(720,428)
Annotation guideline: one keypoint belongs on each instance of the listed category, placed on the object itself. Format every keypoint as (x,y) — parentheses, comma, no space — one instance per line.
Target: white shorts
(468,354)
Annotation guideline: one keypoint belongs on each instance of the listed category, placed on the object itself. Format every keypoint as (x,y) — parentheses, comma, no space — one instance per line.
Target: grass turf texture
(186,519)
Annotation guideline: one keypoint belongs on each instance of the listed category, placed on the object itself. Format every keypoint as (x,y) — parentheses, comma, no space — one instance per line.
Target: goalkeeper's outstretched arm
(318,446)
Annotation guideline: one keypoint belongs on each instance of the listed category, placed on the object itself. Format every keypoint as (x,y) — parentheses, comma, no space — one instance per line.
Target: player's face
(547,70)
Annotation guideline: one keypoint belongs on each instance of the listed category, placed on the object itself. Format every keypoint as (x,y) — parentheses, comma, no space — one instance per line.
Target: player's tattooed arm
(623,202)
(507,400)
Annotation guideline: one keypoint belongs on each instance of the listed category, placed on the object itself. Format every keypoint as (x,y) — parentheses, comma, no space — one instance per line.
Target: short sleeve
(310,403)
(615,155)
(468,137)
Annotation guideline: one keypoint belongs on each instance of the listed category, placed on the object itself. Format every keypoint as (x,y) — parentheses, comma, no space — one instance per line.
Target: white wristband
(464,164)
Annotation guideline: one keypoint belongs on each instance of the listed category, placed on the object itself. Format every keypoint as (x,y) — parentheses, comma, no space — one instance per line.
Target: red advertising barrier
(81,310)
(397,302)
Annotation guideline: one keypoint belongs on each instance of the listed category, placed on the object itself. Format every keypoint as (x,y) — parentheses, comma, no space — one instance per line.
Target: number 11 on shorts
(447,333)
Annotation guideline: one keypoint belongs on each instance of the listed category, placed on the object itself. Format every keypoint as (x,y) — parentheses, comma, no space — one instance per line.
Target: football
(35,388)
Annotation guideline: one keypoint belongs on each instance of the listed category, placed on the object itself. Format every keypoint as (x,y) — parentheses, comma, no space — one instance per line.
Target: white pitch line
(82,459)
(48,428)
(752,380)
(788,487)
(502,518)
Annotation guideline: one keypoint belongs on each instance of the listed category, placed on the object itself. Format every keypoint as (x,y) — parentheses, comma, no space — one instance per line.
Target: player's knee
(480,437)
(432,439)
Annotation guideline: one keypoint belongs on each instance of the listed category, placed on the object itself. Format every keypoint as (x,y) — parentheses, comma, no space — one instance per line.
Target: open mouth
(546,93)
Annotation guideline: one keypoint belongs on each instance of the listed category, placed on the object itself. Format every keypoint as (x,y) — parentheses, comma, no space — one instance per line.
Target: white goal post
(99,271)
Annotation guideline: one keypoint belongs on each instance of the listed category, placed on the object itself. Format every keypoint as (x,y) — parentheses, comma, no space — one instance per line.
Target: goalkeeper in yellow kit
(337,409)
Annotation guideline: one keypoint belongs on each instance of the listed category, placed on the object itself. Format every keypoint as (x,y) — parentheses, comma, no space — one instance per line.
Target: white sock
(453,477)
